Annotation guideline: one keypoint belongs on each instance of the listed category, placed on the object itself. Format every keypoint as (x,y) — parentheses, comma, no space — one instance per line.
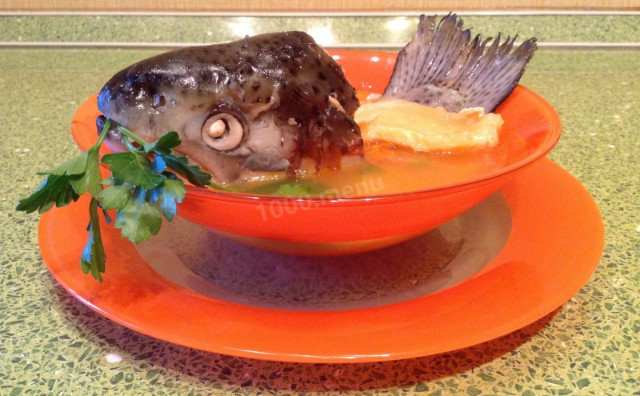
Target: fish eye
(222,132)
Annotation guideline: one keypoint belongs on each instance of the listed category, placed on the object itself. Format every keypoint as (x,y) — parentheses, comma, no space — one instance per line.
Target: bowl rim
(550,141)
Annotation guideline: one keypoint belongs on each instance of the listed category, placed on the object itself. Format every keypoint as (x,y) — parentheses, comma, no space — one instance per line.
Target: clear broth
(388,169)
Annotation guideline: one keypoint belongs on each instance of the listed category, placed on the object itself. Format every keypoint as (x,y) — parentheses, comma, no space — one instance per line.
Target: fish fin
(443,66)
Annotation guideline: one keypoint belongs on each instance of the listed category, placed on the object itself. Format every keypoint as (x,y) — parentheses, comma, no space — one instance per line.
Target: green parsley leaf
(289,188)
(133,168)
(74,166)
(93,257)
(56,189)
(192,173)
(216,186)
(293,190)
(65,183)
(139,218)
(89,178)
(173,192)
(80,183)
(164,144)
(143,187)
(115,196)
(92,172)
(158,165)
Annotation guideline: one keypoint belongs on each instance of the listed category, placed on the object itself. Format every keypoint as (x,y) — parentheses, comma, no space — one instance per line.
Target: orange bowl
(333,226)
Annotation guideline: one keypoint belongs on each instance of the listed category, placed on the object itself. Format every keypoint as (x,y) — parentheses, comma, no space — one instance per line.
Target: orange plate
(323,220)
(556,242)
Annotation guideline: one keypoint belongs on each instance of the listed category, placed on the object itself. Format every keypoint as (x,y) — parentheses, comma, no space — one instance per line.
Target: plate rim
(136,297)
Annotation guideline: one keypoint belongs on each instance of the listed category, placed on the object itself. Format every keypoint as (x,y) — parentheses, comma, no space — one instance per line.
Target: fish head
(259,104)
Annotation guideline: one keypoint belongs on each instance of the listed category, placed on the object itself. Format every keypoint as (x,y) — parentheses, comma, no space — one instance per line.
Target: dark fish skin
(443,66)
(289,97)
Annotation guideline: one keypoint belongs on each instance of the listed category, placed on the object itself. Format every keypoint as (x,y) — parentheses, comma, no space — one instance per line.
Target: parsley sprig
(143,188)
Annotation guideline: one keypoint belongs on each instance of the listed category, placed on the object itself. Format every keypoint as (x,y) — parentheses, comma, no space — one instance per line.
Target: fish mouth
(114,139)
(267,160)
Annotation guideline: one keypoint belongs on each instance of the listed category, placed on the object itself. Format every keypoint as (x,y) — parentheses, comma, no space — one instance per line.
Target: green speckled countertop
(50,343)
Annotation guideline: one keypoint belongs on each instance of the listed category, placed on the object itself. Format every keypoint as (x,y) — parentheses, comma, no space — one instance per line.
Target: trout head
(259,104)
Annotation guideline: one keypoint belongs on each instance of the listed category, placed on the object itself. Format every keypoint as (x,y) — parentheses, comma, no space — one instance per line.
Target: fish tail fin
(444,66)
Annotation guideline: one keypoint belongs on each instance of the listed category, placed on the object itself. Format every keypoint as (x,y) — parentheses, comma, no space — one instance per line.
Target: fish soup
(392,169)
(276,114)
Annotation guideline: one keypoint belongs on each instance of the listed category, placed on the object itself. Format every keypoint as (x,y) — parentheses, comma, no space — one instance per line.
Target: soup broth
(389,169)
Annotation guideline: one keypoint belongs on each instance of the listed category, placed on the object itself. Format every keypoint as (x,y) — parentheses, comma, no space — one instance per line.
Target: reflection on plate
(555,243)
(231,271)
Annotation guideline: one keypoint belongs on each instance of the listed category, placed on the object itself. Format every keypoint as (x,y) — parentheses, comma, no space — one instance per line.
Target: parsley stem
(129,145)
(131,135)
(103,134)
